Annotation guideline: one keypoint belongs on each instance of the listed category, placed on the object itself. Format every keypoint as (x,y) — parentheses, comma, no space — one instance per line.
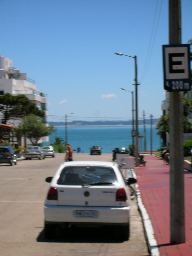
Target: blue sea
(108,137)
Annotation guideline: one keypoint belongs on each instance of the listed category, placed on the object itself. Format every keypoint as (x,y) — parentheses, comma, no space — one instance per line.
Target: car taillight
(121,195)
(52,194)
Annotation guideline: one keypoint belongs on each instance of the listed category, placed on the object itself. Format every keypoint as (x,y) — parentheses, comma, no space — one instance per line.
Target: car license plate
(86,213)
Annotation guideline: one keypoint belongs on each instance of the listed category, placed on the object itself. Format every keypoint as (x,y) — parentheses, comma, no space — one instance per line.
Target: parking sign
(176,67)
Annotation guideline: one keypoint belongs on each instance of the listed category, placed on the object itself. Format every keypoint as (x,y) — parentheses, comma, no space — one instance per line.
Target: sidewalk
(153,183)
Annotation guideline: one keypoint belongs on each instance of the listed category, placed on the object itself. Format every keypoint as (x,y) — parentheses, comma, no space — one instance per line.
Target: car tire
(11,163)
(49,231)
(123,232)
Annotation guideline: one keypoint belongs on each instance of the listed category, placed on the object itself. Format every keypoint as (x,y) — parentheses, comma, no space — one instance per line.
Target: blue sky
(67,47)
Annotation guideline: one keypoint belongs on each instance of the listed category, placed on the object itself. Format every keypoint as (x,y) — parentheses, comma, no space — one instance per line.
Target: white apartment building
(15,82)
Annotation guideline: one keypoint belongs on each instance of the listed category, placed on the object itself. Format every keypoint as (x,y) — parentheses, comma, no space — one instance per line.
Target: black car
(7,155)
(122,150)
(95,150)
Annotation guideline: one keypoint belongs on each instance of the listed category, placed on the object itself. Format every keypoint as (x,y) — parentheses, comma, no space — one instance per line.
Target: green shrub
(187,147)
(59,148)
(131,150)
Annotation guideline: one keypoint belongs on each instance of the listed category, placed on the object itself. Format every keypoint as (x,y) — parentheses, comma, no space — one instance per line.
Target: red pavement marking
(153,181)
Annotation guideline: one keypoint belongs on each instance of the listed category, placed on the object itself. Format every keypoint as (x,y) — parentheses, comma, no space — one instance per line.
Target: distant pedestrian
(166,155)
(68,153)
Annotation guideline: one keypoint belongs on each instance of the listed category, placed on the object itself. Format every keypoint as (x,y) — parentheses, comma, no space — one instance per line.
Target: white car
(48,151)
(87,192)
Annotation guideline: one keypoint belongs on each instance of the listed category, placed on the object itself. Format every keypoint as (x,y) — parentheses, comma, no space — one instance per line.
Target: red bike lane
(153,183)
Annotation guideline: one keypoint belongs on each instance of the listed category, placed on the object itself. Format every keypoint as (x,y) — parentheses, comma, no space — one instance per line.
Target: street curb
(148,228)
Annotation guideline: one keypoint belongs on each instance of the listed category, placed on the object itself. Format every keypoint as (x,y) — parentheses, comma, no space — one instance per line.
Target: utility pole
(151,134)
(136,113)
(132,111)
(177,213)
(144,133)
(133,119)
(66,132)
(136,132)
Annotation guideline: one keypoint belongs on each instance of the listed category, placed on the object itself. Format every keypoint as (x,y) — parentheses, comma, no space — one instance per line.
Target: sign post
(176,62)
(176,80)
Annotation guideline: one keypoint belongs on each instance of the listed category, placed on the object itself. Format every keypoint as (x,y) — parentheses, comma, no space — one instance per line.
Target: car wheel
(49,230)
(123,232)
(11,163)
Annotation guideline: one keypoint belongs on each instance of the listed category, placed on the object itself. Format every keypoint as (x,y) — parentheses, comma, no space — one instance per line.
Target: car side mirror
(131,181)
(48,179)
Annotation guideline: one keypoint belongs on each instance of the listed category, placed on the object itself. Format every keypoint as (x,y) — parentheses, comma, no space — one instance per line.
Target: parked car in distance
(34,152)
(95,150)
(48,151)
(7,155)
(116,151)
(87,192)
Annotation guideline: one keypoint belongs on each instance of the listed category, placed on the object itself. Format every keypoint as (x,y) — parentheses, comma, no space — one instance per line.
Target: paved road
(22,192)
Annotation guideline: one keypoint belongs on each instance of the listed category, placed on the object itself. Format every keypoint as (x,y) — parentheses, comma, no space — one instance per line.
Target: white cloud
(108,96)
(62,102)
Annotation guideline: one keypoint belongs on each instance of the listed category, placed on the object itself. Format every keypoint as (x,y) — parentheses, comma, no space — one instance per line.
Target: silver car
(48,151)
(34,152)
(87,192)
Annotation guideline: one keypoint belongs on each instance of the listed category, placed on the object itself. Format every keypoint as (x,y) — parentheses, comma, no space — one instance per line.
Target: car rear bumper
(33,156)
(105,215)
(7,160)
(49,154)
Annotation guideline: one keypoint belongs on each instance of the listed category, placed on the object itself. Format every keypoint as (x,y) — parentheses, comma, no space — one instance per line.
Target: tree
(34,128)
(163,128)
(17,106)
(59,146)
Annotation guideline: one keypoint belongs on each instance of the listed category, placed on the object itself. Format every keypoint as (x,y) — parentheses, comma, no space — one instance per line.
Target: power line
(156,19)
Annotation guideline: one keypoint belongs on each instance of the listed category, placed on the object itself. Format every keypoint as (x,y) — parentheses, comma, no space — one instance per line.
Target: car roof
(90,163)
(9,147)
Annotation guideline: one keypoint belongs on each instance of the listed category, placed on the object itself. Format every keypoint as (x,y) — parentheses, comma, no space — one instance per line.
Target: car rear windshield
(6,150)
(87,175)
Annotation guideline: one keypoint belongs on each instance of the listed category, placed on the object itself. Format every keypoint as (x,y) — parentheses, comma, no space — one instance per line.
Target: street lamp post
(144,133)
(132,110)
(151,134)
(136,105)
(66,128)
(66,131)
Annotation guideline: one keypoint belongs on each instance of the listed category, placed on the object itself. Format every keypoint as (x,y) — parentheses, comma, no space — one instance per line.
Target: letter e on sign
(176,62)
